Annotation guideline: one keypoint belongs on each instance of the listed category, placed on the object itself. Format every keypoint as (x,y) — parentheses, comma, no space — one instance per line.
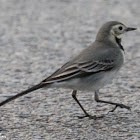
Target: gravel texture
(36,38)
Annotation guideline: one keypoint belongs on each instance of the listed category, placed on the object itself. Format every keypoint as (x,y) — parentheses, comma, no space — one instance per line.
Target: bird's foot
(121,106)
(90,117)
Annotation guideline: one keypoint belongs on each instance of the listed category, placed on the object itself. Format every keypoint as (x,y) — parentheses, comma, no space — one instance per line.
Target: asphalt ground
(36,38)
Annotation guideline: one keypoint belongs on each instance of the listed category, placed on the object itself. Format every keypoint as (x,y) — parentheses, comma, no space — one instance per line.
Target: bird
(92,69)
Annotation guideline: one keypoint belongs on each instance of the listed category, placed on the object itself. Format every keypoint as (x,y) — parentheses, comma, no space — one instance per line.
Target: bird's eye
(120,27)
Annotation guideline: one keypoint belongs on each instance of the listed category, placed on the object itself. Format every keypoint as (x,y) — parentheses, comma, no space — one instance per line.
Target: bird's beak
(130,29)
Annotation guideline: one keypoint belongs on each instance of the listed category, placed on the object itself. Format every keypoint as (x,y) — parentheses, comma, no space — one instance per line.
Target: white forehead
(118,25)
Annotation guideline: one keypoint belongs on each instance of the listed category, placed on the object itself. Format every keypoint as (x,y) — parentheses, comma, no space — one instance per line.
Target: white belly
(90,83)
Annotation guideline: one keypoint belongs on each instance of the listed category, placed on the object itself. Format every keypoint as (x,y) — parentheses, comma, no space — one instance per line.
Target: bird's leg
(116,104)
(86,114)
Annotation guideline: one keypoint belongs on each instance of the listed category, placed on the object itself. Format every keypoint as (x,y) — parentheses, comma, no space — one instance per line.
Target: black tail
(22,93)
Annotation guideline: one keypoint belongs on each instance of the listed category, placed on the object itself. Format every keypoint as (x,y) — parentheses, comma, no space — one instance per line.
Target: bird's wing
(80,69)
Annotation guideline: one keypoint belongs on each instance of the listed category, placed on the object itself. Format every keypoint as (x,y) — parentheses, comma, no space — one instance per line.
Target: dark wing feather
(80,69)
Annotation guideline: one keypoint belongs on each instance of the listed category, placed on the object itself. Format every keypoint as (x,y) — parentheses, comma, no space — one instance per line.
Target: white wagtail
(92,69)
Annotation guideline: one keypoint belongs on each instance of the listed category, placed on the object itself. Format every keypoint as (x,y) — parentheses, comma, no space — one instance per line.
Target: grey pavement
(36,38)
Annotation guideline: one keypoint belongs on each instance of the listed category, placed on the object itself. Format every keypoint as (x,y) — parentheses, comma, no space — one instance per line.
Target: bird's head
(112,30)
(119,29)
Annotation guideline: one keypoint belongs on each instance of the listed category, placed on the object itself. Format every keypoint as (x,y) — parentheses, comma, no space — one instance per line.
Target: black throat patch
(119,43)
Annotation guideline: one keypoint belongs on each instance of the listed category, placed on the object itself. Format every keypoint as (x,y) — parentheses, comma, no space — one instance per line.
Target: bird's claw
(90,117)
(121,106)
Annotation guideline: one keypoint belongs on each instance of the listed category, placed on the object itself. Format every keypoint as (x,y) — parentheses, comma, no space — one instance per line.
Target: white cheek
(112,32)
(120,36)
